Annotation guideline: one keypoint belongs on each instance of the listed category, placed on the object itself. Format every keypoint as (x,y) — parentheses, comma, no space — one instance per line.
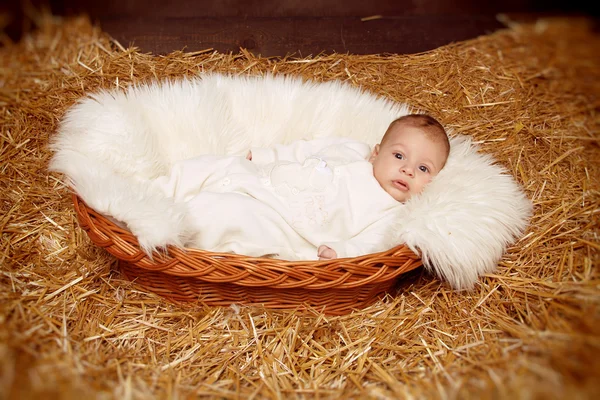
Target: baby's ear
(374,153)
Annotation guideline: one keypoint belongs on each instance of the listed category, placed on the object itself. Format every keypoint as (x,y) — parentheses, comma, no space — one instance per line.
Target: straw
(71,326)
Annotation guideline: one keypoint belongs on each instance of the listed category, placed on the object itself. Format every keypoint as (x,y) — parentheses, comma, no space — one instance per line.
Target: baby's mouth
(400,184)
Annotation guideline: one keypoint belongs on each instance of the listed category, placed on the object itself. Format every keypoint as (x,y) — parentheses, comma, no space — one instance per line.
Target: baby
(412,151)
(333,195)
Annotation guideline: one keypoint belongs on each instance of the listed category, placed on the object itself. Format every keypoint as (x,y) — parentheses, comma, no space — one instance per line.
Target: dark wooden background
(299,27)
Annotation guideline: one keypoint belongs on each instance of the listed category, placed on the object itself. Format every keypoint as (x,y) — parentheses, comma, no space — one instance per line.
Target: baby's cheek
(419,188)
(428,179)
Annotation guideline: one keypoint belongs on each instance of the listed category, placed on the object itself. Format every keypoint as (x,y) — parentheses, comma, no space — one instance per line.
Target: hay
(71,327)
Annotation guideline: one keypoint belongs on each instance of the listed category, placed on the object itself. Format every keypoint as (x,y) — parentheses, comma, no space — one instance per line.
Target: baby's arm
(296,151)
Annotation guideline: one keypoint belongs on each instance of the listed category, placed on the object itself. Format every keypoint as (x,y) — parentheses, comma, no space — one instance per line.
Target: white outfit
(287,201)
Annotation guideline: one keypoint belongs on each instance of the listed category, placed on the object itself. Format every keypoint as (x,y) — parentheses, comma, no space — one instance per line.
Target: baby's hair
(430,126)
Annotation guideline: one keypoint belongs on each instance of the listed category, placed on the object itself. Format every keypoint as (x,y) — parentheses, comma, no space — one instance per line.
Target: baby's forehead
(403,133)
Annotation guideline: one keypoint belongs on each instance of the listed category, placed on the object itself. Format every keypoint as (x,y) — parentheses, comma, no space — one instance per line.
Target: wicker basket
(335,287)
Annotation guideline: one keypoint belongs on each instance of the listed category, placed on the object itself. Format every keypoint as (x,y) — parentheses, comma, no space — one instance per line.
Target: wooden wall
(302,27)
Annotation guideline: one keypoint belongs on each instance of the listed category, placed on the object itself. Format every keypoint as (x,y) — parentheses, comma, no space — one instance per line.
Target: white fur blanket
(112,143)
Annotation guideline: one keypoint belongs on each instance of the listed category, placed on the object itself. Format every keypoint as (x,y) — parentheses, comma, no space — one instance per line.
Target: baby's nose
(407,170)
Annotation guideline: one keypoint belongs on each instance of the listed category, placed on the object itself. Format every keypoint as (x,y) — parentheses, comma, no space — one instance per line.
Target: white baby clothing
(287,201)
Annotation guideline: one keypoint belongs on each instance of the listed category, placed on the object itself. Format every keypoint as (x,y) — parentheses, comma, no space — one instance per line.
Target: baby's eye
(423,168)
(399,156)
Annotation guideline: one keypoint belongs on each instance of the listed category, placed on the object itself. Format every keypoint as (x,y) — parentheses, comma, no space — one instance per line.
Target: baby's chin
(399,196)
(402,199)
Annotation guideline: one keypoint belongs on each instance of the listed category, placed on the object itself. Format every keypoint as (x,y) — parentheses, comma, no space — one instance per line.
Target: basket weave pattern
(334,286)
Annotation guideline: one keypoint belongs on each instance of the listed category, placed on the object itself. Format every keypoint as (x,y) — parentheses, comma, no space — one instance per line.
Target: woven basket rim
(244,270)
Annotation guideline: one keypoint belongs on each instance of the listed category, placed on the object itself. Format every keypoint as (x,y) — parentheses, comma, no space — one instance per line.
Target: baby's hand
(326,253)
(249,155)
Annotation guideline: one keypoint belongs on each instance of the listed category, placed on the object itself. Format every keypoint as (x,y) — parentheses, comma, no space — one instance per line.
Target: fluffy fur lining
(112,143)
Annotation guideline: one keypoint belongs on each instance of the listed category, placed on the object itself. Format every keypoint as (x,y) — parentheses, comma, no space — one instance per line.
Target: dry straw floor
(70,327)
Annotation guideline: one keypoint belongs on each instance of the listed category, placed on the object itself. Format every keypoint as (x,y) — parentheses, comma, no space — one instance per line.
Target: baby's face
(407,161)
